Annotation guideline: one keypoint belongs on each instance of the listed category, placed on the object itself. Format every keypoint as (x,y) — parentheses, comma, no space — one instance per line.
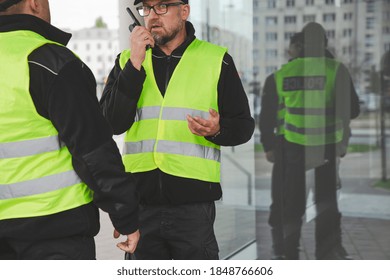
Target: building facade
(98,48)
(358,33)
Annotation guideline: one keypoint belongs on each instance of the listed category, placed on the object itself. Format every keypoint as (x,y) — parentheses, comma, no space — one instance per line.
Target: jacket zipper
(166,85)
(167,73)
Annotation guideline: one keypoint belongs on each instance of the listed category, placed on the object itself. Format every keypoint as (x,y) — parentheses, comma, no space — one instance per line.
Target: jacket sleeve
(66,95)
(237,124)
(347,102)
(268,114)
(120,96)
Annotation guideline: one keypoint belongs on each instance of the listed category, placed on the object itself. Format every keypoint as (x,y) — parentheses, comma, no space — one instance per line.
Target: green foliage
(99,23)
(259,148)
(383,184)
(361,148)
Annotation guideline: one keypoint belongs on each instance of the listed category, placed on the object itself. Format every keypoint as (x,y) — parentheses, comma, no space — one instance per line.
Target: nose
(150,18)
(152,14)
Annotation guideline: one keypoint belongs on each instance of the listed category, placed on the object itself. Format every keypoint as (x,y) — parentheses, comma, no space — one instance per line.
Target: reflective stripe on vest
(311,111)
(178,114)
(160,137)
(306,86)
(29,147)
(171,147)
(314,130)
(37,176)
(46,184)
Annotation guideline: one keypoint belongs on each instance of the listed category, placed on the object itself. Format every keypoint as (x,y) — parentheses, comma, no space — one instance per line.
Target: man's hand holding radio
(140,39)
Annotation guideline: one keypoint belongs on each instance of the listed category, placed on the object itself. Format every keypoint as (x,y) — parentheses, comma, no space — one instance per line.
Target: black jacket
(119,103)
(63,90)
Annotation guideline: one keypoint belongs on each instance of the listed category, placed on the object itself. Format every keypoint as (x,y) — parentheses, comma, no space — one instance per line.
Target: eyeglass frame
(160,4)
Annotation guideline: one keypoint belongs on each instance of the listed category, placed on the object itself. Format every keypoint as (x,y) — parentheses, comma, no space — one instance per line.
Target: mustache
(154,23)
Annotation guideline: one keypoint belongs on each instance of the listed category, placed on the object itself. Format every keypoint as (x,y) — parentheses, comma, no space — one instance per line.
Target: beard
(168,35)
(161,40)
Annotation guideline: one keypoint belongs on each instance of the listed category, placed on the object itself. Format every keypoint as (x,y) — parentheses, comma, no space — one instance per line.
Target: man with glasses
(178,102)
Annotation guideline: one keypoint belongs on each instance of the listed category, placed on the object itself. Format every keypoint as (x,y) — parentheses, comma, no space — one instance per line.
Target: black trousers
(289,201)
(68,235)
(67,248)
(276,209)
(180,232)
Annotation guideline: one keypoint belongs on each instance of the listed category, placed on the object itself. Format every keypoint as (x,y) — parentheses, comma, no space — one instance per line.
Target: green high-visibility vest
(160,137)
(306,86)
(37,176)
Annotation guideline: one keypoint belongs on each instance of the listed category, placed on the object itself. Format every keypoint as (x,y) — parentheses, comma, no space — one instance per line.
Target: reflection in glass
(357,37)
(229,23)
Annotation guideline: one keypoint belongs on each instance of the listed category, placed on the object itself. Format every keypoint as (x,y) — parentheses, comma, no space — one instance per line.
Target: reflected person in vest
(58,161)
(178,102)
(271,121)
(319,100)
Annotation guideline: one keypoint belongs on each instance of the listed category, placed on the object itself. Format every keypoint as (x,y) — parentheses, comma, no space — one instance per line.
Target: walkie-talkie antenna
(136,21)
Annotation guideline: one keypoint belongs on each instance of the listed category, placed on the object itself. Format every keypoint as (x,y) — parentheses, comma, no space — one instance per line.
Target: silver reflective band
(147,113)
(313,130)
(312,111)
(180,114)
(29,147)
(171,147)
(146,146)
(168,113)
(39,186)
(189,149)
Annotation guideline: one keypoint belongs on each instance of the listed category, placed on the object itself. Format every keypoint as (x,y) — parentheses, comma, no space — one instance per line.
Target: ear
(38,8)
(185,12)
(34,7)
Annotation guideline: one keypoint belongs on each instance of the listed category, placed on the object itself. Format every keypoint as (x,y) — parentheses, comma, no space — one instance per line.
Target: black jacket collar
(28,22)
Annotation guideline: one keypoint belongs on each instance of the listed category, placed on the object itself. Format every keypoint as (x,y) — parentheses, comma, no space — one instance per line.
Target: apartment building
(358,32)
(98,48)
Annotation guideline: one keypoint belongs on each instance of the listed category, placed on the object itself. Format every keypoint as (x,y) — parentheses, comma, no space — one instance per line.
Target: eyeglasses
(159,9)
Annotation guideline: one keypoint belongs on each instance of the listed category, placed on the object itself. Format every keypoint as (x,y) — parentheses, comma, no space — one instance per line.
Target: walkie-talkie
(129,256)
(136,21)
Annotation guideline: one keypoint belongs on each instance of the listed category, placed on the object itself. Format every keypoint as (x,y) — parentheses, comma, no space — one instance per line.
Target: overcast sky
(78,14)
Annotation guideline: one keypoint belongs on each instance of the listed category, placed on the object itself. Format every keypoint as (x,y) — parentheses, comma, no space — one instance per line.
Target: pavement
(365,210)
(363,238)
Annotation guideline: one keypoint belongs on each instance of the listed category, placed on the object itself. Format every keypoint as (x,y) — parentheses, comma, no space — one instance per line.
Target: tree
(99,23)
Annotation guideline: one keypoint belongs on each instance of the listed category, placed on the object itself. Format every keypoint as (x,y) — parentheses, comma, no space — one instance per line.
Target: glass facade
(229,24)
(257,34)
